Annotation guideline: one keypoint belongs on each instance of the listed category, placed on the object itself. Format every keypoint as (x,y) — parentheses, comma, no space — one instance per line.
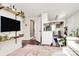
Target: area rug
(35,50)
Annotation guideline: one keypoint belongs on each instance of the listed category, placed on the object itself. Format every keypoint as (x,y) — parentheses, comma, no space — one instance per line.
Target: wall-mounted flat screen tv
(9,24)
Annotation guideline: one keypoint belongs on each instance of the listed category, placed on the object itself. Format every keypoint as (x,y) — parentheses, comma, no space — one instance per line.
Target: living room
(36,23)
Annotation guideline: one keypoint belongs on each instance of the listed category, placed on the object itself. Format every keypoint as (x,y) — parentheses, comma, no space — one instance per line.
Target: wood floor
(35,50)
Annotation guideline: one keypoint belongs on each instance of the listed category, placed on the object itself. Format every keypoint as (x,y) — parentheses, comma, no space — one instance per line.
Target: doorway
(32,30)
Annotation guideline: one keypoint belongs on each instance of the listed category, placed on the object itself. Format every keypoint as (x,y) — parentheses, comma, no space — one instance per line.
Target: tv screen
(8,24)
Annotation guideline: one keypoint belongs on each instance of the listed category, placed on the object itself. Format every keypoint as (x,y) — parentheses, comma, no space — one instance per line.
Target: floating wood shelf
(17,13)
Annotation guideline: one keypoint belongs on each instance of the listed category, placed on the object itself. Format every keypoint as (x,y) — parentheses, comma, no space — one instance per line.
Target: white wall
(73,22)
(46,35)
(37,28)
(7,14)
(10,15)
(26,29)
(8,46)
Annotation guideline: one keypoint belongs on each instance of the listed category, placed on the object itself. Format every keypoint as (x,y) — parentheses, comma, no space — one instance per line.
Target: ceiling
(54,9)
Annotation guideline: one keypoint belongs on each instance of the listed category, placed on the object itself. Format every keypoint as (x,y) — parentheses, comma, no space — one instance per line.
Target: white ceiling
(53,9)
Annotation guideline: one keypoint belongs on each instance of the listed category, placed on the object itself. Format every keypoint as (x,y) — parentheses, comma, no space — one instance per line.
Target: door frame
(33,32)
